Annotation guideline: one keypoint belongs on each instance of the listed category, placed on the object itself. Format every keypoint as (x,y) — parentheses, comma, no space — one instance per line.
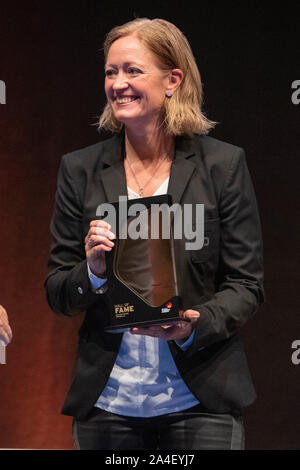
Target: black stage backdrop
(51,63)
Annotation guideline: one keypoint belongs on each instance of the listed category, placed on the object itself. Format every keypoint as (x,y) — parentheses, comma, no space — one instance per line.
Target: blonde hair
(182,113)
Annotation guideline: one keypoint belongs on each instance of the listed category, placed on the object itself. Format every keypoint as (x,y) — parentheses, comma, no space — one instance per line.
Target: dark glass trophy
(141,270)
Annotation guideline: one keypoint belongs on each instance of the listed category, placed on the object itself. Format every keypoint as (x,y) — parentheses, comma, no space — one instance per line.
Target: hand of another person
(5,330)
(173,330)
(97,241)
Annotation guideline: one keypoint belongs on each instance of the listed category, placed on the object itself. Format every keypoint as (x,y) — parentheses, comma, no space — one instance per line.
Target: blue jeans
(192,429)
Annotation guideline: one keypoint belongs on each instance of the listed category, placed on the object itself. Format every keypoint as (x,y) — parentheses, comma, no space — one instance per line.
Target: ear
(175,78)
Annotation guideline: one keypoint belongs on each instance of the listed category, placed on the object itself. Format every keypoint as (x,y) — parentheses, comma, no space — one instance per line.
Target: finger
(178,331)
(175,323)
(101,231)
(4,326)
(107,233)
(99,240)
(191,315)
(167,334)
(3,313)
(158,329)
(4,336)
(9,332)
(155,331)
(97,233)
(183,314)
(100,223)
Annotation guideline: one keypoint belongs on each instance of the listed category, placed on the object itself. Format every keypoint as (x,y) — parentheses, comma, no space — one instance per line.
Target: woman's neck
(149,144)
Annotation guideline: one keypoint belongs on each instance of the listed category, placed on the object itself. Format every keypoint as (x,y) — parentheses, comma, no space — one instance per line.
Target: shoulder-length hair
(182,113)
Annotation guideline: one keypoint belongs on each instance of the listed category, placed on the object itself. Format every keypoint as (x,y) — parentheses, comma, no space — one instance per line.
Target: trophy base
(126,309)
(147,323)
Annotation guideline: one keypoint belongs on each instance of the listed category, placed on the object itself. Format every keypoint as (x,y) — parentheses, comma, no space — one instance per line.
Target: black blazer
(223,280)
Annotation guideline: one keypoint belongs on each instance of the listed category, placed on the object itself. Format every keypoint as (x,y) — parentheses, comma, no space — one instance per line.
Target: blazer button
(80,290)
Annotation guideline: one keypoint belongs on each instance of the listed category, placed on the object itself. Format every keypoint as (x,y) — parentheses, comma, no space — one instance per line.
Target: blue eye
(130,70)
(133,70)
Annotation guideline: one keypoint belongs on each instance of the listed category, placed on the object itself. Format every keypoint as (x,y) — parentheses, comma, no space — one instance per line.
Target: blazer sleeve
(68,288)
(240,274)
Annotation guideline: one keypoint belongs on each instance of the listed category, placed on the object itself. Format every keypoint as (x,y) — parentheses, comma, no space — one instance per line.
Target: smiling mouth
(126,100)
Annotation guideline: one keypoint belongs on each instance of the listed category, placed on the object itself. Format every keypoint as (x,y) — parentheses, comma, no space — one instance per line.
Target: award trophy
(141,272)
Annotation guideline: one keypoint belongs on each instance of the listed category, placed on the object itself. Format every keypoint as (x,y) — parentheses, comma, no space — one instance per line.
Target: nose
(120,82)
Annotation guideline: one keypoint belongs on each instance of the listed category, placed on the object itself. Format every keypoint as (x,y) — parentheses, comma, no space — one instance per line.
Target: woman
(179,386)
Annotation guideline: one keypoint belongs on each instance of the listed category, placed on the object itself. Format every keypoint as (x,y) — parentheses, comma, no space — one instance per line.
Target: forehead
(129,48)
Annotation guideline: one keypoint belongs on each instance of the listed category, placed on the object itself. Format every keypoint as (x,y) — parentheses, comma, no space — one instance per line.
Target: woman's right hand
(97,241)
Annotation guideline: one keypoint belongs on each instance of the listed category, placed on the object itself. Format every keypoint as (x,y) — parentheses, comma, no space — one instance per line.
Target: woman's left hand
(5,330)
(171,331)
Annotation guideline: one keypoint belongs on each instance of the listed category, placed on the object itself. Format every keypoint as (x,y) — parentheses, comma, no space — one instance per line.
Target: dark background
(50,59)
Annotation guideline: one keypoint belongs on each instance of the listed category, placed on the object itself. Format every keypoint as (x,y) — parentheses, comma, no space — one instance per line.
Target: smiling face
(135,86)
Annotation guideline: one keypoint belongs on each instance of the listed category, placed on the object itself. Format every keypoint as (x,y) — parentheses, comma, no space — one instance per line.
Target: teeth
(125,100)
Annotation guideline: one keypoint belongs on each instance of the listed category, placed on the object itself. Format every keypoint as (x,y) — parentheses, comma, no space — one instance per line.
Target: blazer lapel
(182,168)
(113,174)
